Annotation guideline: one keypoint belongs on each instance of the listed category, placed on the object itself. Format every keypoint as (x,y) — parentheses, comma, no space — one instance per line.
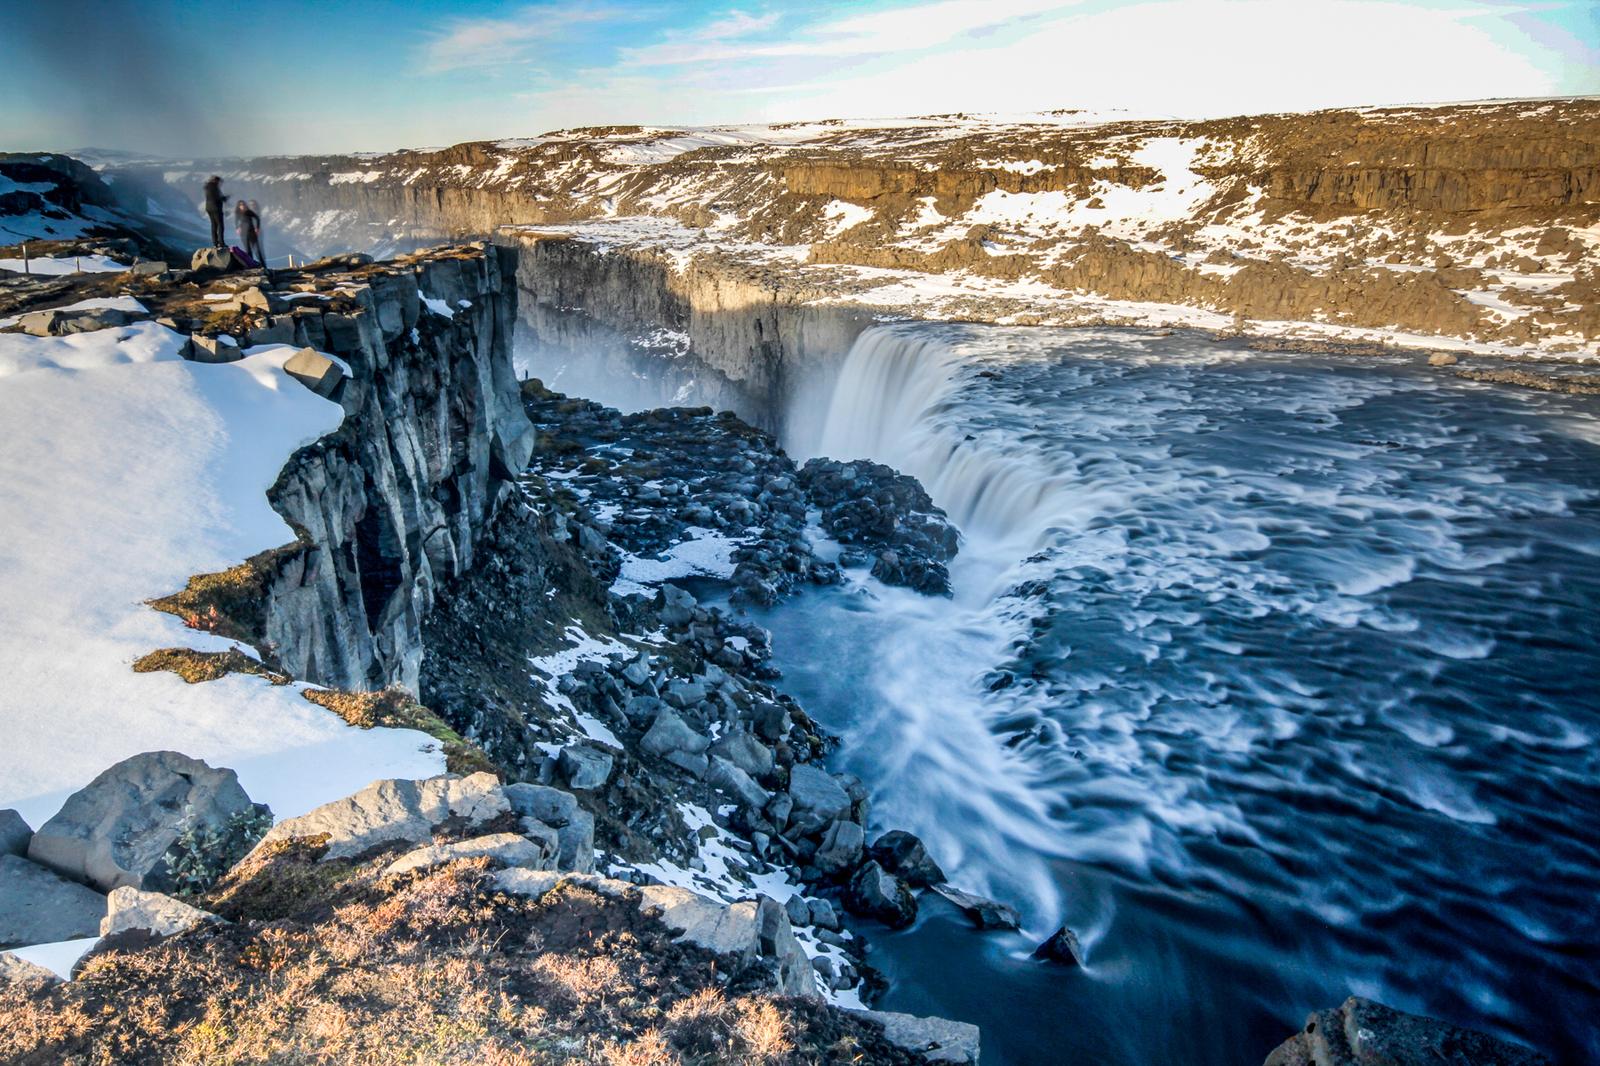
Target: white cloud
(899,29)
(486,42)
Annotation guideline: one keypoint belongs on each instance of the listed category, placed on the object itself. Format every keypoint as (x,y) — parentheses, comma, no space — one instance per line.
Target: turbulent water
(1273,677)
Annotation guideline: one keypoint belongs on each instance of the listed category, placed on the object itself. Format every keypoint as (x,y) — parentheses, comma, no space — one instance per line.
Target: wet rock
(1363,1033)
(137,819)
(37,906)
(14,834)
(508,849)
(935,1039)
(875,893)
(391,812)
(152,913)
(559,810)
(841,849)
(1062,947)
(903,853)
(982,912)
(584,767)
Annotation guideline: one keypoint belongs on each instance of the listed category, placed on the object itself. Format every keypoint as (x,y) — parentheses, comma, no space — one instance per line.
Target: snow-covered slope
(124,469)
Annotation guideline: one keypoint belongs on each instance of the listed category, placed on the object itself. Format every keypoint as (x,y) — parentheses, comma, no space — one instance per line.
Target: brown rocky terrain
(1475,223)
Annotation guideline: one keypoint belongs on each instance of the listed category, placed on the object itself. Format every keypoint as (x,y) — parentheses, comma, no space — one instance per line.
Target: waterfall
(905,397)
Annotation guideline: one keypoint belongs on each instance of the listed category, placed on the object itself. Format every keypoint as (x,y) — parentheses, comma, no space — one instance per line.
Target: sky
(253,77)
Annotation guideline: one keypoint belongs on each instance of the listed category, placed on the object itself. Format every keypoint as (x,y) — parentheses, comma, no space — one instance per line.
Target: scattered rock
(735,782)
(983,912)
(1062,947)
(903,853)
(936,1039)
(841,849)
(39,907)
(14,834)
(560,810)
(584,767)
(875,893)
(145,823)
(1364,1033)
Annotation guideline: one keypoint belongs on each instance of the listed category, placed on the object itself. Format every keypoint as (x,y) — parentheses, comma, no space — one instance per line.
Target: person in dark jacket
(214,202)
(248,224)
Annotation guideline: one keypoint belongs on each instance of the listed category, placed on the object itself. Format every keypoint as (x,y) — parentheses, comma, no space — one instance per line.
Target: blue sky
(251,76)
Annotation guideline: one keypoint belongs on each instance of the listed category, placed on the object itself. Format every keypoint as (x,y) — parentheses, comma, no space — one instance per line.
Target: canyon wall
(394,503)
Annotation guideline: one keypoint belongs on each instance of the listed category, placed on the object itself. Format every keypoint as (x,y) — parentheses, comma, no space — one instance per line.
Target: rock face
(39,907)
(131,825)
(1364,1033)
(395,502)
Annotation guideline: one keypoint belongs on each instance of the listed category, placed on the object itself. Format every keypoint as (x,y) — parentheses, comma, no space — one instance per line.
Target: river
(1273,676)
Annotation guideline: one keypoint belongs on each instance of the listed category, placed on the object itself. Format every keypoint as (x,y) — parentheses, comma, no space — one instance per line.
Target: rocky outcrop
(1363,1033)
(395,502)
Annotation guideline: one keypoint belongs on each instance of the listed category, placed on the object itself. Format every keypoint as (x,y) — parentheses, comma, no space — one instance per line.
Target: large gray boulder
(14,834)
(141,819)
(388,813)
(39,907)
(735,782)
(841,849)
(903,853)
(585,767)
(875,893)
(1363,1033)
(669,733)
(818,799)
(560,811)
(745,752)
(211,259)
(935,1039)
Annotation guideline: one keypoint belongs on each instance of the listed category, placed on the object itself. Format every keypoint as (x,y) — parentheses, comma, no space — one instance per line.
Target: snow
(79,264)
(125,469)
(548,669)
(707,553)
(115,303)
(438,306)
(59,958)
(355,177)
(842,215)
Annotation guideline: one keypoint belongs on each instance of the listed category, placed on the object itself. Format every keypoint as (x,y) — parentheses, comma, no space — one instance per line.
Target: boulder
(1442,359)
(39,907)
(745,752)
(388,813)
(219,259)
(982,912)
(876,893)
(677,607)
(315,371)
(902,853)
(58,322)
(584,767)
(135,823)
(798,910)
(1062,947)
(560,810)
(203,349)
(841,849)
(152,913)
(818,799)
(823,916)
(145,268)
(736,783)
(1364,1033)
(508,849)
(935,1039)
(14,834)
(669,733)
(16,971)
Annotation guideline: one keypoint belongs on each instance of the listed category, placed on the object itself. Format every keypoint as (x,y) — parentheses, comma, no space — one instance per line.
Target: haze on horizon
(194,78)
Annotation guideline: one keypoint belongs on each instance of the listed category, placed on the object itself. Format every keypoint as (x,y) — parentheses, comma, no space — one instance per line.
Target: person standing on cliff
(214,202)
(247,222)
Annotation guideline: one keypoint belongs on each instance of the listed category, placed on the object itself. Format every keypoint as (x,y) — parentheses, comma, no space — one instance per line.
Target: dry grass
(231,603)
(432,969)
(197,667)
(394,708)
